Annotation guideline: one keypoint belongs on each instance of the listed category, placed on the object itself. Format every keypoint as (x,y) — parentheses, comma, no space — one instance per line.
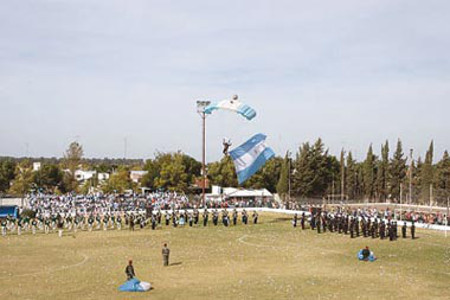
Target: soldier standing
(413,230)
(382,230)
(129,270)
(302,221)
(244,217)
(294,221)
(60,226)
(167,218)
(190,219)
(215,217)
(4,223)
(404,230)
(33,226)
(196,214)
(352,228)
(165,254)
(153,222)
(235,216)
(255,217)
(205,217)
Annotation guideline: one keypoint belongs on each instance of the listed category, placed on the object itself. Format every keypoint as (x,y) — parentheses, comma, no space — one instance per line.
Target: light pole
(410,174)
(201,105)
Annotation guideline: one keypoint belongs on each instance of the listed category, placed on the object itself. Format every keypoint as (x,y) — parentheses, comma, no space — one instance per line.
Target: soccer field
(270,260)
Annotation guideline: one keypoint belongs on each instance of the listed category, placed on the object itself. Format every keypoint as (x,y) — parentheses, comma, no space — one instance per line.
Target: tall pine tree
(369,174)
(427,175)
(283,182)
(382,173)
(351,176)
(397,171)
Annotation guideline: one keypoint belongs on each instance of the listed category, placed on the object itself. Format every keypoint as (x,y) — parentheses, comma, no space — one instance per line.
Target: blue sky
(350,72)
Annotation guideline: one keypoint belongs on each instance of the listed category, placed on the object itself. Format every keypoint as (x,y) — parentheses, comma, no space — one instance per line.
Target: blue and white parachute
(232,105)
(135,285)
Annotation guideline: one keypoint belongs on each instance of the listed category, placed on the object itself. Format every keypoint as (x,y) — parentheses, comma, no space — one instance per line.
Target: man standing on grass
(165,254)
(129,270)
(404,230)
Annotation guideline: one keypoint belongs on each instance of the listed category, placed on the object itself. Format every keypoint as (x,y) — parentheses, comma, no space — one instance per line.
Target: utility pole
(289,177)
(410,174)
(342,175)
(401,196)
(201,105)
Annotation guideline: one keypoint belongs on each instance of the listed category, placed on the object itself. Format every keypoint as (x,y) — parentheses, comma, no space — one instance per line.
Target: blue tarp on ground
(9,210)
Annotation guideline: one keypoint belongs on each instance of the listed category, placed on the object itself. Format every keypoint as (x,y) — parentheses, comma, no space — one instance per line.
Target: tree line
(315,173)
(312,173)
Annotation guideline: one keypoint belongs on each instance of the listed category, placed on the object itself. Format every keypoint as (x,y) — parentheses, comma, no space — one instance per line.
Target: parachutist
(226,146)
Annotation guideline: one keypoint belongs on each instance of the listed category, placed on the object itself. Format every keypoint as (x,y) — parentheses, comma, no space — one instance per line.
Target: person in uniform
(47,225)
(205,217)
(382,230)
(131,223)
(215,217)
(255,217)
(294,221)
(196,216)
(119,222)
(404,230)
(60,226)
(235,216)
(129,270)
(225,218)
(33,226)
(4,224)
(190,219)
(413,230)
(158,217)
(352,228)
(165,255)
(318,222)
(167,216)
(153,217)
(391,231)
(90,222)
(302,221)
(244,217)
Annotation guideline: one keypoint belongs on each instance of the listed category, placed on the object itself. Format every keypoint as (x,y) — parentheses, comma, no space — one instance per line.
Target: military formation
(125,220)
(352,224)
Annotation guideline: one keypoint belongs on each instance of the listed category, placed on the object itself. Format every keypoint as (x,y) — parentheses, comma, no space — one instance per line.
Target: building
(136,176)
(219,194)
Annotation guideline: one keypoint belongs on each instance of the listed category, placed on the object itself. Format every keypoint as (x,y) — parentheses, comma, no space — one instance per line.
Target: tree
(350,183)
(48,177)
(315,170)
(173,175)
(223,173)
(72,160)
(23,179)
(119,181)
(7,168)
(397,171)
(383,173)
(283,182)
(267,176)
(369,174)
(442,177)
(427,174)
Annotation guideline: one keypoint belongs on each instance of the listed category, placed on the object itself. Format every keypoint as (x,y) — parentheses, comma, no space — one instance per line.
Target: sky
(105,72)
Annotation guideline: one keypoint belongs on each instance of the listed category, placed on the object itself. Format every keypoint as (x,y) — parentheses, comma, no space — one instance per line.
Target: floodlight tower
(201,105)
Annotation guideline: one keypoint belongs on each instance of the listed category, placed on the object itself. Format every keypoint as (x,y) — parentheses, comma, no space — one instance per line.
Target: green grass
(268,261)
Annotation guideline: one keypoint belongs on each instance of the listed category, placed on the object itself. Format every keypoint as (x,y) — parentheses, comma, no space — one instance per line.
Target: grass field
(270,260)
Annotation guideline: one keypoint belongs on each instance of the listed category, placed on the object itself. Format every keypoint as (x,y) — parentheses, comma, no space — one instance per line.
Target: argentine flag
(249,157)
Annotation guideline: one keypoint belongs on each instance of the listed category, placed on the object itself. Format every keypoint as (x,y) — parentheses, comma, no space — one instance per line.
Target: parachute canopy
(134,285)
(232,105)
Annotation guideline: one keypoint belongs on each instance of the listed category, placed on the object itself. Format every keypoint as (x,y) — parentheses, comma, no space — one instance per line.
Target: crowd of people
(105,212)
(354,223)
(119,220)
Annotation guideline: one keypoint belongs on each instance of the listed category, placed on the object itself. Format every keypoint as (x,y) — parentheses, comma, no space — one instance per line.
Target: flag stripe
(247,146)
(256,165)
